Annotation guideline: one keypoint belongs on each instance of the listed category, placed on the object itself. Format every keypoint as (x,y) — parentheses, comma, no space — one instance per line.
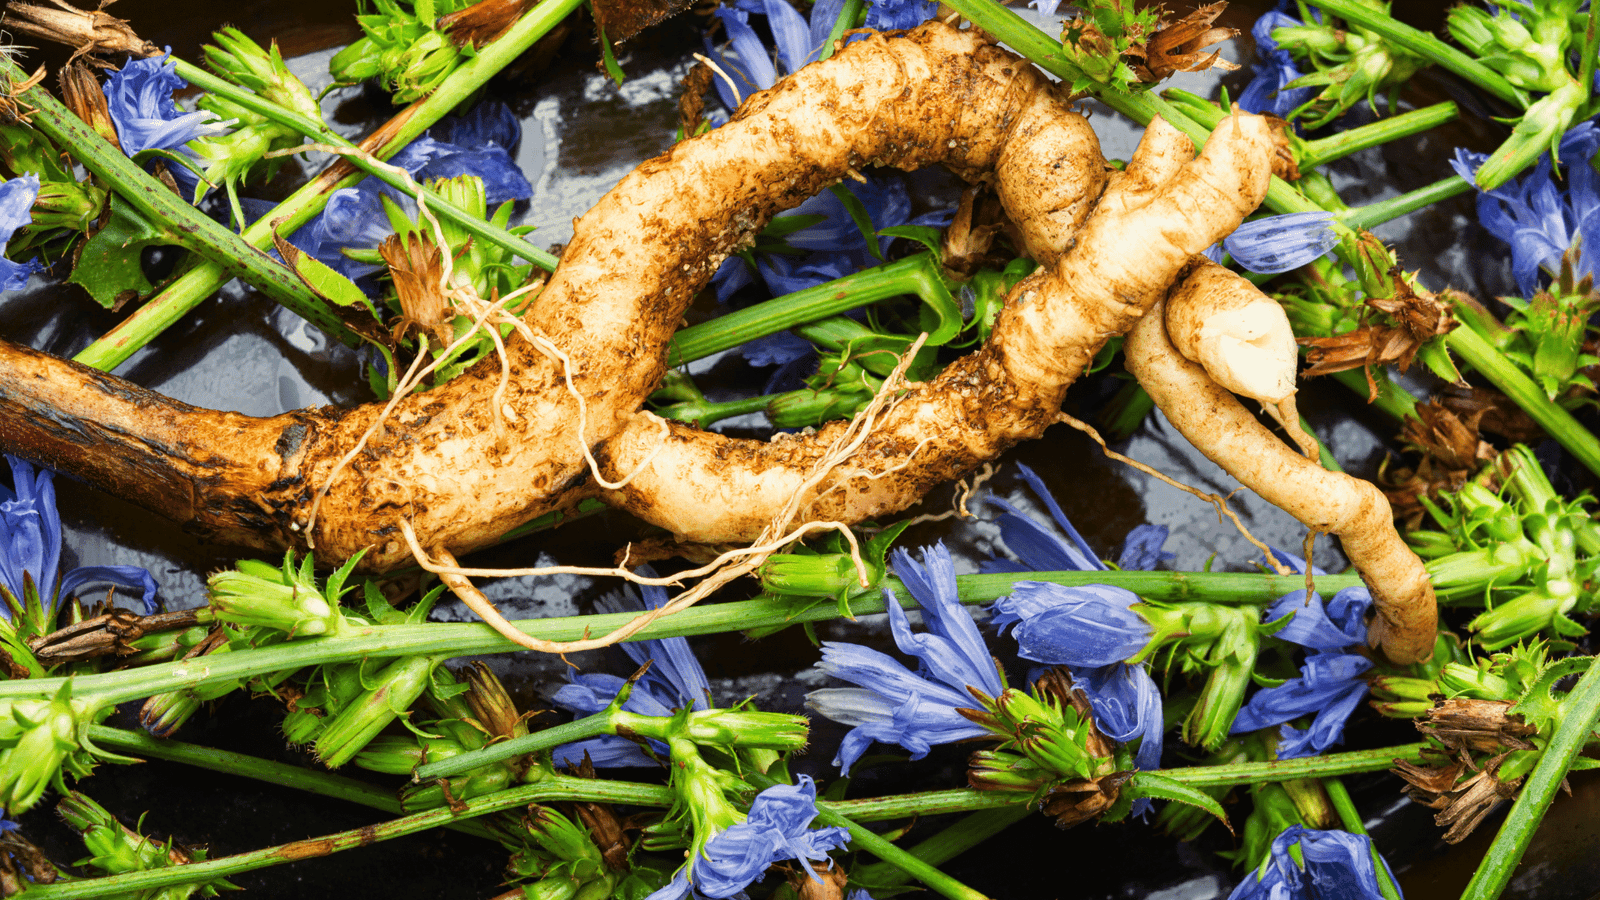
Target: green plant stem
(555,787)
(1337,146)
(547,739)
(184,225)
(1579,717)
(1374,214)
(944,846)
(321,133)
(864,839)
(848,14)
(1504,374)
(917,275)
(1425,45)
(323,784)
(1350,817)
(1393,400)
(462,639)
(202,281)
(929,803)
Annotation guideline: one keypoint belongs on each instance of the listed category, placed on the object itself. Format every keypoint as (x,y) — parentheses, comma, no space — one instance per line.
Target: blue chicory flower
(899,15)
(139,98)
(1337,866)
(1275,68)
(1091,629)
(1329,687)
(675,680)
(354,217)
(30,547)
(16,211)
(1279,243)
(1045,7)
(893,705)
(778,828)
(1540,220)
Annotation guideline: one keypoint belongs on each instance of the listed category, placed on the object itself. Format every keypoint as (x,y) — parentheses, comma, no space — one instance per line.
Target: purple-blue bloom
(1279,243)
(899,15)
(354,217)
(30,548)
(1090,628)
(893,705)
(16,211)
(675,680)
(778,828)
(1329,687)
(1275,68)
(1337,866)
(139,98)
(1539,219)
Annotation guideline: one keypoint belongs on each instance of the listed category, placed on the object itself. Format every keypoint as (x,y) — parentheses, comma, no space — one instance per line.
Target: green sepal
(1159,787)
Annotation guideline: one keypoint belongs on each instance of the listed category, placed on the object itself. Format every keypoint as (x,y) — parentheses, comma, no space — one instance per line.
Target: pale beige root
(465,462)
(706,487)
(1242,338)
(1354,510)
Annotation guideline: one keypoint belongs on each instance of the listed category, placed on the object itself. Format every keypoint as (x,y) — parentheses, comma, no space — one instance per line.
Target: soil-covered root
(1353,510)
(463,469)
(706,487)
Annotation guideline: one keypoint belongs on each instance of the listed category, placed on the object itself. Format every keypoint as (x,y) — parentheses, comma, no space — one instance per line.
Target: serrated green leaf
(926,235)
(858,214)
(107,265)
(1149,784)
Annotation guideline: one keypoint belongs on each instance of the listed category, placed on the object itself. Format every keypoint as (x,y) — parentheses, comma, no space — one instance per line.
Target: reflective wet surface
(581,133)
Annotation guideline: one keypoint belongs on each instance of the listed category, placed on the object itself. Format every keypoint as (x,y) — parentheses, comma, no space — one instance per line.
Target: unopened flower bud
(387,695)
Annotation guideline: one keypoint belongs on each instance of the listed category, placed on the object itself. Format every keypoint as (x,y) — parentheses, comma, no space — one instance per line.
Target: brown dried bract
(484,21)
(1418,318)
(1284,164)
(81,93)
(979,218)
(417,265)
(1483,726)
(1451,452)
(1179,46)
(1493,411)
(618,20)
(109,634)
(90,32)
(12,109)
(692,102)
(1462,803)
(823,881)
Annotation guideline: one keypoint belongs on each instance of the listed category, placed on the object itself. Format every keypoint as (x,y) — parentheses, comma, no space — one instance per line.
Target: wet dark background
(581,133)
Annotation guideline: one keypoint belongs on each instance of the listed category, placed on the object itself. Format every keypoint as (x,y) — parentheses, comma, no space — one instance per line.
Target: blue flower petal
(490,122)
(899,15)
(1087,625)
(139,99)
(1329,688)
(131,578)
(1279,243)
(1332,864)
(778,828)
(1142,549)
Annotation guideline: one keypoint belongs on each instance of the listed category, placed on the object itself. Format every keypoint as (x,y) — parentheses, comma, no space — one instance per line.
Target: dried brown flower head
(90,32)
(1412,319)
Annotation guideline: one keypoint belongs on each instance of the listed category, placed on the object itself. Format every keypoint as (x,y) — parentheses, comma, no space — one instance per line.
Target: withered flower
(1464,727)
(417,265)
(1180,46)
(91,32)
(492,708)
(1418,317)
(979,218)
(1496,413)
(1451,452)
(111,633)
(81,93)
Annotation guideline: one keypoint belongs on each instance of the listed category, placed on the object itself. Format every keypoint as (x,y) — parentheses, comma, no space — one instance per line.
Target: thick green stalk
(186,226)
(462,639)
(917,275)
(555,787)
(1337,146)
(539,741)
(1579,718)
(324,784)
(1350,818)
(1373,214)
(1514,383)
(864,839)
(196,285)
(322,134)
(1426,46)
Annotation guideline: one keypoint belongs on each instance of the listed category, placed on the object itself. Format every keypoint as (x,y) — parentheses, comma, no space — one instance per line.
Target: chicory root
(461,468)
(1353,510)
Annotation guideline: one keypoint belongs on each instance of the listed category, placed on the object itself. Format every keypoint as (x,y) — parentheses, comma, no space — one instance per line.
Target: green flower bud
(286,599)
(387,695)
(814,575)
(37,739)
